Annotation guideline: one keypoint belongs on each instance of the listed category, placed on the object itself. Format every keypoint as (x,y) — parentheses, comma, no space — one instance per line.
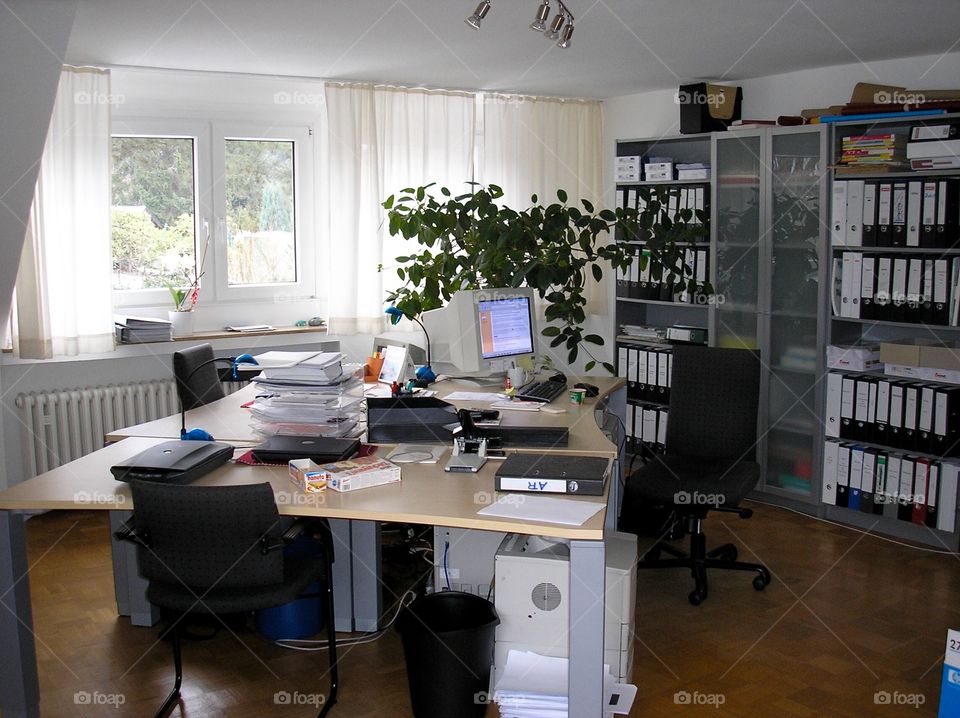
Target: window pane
(153,212)
(261,247)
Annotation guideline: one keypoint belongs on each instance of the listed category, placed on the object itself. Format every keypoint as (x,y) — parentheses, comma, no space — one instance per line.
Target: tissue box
(854,358)
(361,473)
(307,475)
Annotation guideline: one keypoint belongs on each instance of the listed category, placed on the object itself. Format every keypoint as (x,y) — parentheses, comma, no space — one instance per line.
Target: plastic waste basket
(302,617)
(448,645)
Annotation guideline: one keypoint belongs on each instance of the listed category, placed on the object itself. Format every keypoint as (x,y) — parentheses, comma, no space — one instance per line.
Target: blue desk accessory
(198,434)
(425,374)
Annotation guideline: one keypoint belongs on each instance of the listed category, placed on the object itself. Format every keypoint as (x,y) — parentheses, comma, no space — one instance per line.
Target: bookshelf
(891,316)
(768,237)
(640,300)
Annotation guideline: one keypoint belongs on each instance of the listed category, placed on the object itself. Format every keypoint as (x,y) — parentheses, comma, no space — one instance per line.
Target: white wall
(33,38)
(654,114)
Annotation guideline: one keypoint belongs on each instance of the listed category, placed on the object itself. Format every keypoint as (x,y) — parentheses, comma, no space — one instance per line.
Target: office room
(211,165)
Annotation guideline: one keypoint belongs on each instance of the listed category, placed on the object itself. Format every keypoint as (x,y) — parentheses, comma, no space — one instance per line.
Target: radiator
(60,426)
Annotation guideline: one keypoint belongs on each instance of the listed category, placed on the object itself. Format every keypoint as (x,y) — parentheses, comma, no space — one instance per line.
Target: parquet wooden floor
(848,620)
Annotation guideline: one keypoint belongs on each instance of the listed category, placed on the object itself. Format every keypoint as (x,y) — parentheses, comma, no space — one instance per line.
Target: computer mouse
(591,389)
(558,377)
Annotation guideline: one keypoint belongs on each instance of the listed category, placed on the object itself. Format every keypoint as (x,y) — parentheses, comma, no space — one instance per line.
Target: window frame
(199,132)
(304,213)
(210,208)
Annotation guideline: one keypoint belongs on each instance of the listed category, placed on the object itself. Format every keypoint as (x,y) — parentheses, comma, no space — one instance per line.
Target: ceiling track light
(481,12)
(540,22)
(559,29)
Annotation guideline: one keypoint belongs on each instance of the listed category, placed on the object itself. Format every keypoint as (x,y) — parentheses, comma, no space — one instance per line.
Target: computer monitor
(484,330)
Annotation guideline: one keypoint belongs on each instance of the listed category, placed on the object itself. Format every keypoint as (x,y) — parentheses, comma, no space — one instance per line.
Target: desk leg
(585,670)
(342,575)
(129,588)
(19,685)
(365,546)
(616,406)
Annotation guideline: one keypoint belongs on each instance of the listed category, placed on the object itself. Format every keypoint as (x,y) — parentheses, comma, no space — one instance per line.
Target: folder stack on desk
(308,395)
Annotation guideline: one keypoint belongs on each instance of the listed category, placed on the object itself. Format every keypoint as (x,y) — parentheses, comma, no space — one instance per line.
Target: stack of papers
(307,394)
(535,686)
(137,330)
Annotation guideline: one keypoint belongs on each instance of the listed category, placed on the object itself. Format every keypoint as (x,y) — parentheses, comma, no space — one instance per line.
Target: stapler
(469,446)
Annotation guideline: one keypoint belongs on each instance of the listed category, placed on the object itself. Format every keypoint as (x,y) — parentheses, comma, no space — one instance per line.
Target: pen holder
(371,371)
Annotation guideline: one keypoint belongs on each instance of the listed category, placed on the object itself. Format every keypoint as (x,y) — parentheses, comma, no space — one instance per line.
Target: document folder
(551,473)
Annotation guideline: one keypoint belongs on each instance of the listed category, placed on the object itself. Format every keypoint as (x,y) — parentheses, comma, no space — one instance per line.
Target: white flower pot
(182,323)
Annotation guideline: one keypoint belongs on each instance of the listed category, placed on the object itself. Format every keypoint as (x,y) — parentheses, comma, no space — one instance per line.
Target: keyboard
(542,391)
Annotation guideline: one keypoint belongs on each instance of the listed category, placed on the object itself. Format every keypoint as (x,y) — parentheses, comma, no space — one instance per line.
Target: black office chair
(708,464)
(196,384)
(217,550)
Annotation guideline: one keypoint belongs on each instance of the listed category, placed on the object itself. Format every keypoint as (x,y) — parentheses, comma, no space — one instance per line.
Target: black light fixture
(481,12)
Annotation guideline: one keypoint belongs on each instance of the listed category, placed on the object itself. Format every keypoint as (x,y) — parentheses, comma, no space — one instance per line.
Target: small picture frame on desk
(394,364)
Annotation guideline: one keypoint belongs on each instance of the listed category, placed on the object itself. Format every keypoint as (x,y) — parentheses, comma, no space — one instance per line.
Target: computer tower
(532,589)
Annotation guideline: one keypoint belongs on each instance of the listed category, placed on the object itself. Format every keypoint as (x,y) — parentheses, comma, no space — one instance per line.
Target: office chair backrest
(714,396)
(207,536)
(203,386)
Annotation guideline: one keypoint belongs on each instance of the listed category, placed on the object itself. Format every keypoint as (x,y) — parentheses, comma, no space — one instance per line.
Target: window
(232,204)
(153,212)
(261,241)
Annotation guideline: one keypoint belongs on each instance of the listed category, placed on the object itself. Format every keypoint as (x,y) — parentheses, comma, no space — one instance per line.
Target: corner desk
(425,495)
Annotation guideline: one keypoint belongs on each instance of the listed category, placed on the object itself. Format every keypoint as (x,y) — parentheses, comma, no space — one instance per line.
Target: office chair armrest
(128,532)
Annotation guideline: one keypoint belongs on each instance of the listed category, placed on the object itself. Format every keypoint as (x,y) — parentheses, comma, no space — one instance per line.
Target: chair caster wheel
(697,597)
(761,581)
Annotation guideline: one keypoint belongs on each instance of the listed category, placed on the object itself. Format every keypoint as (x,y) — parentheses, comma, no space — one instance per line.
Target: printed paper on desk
(549,509)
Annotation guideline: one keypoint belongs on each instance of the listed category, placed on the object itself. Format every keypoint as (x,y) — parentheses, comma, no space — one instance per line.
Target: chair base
(174,631)
(699,560)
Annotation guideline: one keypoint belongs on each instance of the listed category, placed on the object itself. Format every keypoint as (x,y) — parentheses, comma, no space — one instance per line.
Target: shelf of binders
(907,494)
(935,251)
(664,183)
(660,302)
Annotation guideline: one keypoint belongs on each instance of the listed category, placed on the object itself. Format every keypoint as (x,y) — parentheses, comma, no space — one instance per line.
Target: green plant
(470,242)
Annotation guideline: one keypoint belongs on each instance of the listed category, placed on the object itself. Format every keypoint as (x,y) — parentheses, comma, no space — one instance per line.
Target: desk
(357,595)
(426,495)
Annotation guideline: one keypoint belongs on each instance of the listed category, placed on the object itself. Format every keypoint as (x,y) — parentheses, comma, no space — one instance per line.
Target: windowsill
(251,342)
(220,334)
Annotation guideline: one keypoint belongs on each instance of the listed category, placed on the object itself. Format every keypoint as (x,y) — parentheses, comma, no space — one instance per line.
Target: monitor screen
(505,328)
(483,330)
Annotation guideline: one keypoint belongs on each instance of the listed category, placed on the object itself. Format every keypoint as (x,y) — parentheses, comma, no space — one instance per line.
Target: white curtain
(382,139)
(64,284)
(537,145)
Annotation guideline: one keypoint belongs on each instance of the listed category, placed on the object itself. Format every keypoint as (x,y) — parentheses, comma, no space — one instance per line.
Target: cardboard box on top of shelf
(921,352)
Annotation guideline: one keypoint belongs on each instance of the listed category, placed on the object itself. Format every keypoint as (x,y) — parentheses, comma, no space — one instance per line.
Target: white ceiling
(619,46)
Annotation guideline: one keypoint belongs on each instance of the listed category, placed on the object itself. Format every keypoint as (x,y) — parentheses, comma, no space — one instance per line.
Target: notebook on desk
(320,449)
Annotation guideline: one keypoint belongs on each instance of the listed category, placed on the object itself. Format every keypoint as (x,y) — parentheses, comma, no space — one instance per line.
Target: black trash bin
(448,644)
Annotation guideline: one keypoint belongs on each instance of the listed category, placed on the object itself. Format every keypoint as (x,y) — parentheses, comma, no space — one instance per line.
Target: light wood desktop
(425,495)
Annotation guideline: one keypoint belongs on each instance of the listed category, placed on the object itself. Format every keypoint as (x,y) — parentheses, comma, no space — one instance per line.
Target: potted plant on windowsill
(470,242)
(185,299)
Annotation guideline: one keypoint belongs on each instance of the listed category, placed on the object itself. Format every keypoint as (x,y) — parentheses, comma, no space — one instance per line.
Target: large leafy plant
(468,241)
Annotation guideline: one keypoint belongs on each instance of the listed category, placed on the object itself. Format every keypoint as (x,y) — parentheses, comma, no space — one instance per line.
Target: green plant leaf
(562,195)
